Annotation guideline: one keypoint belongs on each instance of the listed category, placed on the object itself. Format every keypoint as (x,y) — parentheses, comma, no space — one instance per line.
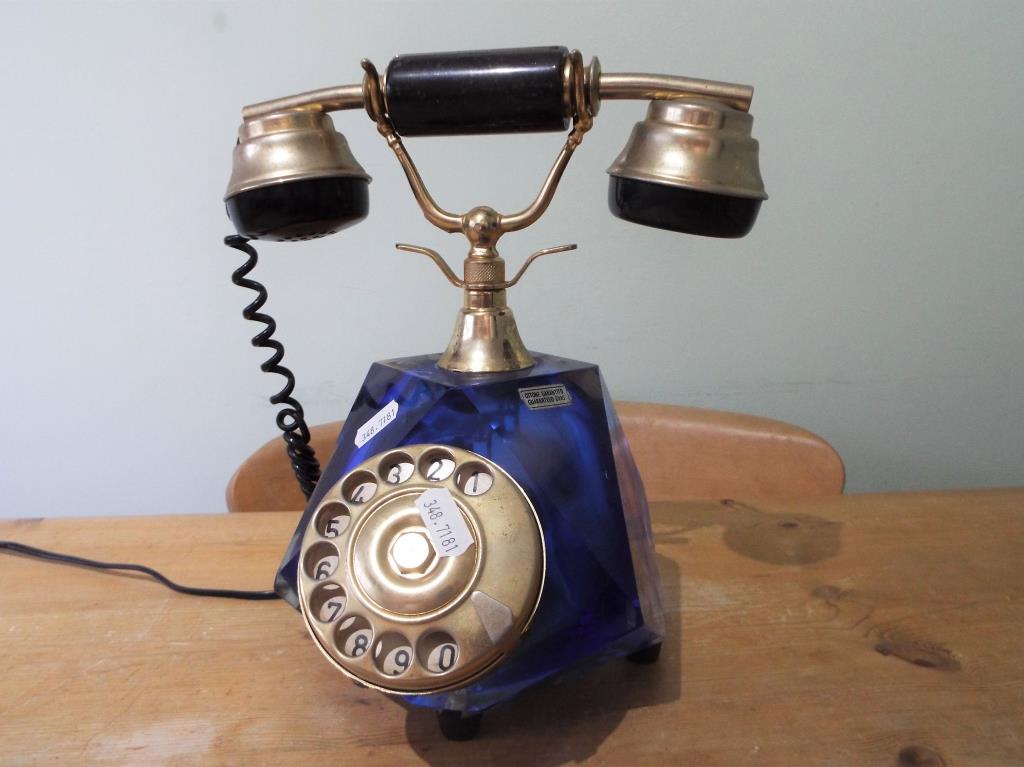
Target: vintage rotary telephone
(481,524)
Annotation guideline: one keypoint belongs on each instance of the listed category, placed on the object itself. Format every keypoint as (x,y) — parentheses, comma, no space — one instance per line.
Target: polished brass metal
(608,85)
(436,257)
(592,82)
(534,256)
(285,146)
(393,585)
(698,144)
(325,100)
(481,277)
(568,87)
(634,85)
(485,338)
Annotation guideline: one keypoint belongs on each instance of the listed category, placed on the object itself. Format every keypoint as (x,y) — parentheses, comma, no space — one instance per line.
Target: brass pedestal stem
(486,340)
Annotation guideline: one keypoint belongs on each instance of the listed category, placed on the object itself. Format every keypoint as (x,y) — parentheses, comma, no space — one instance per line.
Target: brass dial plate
(383,595)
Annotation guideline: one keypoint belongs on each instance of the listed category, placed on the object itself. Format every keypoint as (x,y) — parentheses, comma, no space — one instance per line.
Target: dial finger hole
(396,468)
(437,465)
(474,478)
(332,519)
(321,561)
(392,654)
(328,602)
(359,488)
(437,652)
(353,636)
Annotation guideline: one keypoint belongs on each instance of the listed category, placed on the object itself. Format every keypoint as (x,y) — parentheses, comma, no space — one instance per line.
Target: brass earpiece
(293,177)
(690,166)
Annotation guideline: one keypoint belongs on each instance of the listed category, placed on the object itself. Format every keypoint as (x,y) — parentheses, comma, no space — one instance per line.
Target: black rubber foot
(455,726)
(645,656)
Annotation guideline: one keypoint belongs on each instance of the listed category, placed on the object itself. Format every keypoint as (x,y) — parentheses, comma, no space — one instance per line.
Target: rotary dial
(421,568)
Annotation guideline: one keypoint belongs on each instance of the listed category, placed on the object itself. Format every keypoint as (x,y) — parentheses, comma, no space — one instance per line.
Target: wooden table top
(860,630)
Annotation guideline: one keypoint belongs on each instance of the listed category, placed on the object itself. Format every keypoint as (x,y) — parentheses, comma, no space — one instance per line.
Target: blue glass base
(601,595)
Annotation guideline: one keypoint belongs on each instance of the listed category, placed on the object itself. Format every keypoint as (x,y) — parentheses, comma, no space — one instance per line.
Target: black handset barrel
(514,90)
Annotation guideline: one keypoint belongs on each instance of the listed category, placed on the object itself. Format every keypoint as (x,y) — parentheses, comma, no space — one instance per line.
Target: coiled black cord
(290,419)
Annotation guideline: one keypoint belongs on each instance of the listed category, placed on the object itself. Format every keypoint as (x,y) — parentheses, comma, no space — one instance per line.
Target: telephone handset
(481,524)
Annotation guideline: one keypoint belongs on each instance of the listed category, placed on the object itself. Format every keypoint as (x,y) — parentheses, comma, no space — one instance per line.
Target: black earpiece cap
(300,210)
(681,210)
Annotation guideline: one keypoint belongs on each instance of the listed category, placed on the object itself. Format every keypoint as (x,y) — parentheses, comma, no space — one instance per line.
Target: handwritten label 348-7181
(378,421)
(448,531)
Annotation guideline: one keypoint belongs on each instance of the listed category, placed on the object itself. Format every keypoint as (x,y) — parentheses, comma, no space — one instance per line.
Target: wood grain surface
(860,630)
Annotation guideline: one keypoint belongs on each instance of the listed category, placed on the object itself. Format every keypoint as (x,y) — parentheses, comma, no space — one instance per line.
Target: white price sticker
(447,528)
(372,427)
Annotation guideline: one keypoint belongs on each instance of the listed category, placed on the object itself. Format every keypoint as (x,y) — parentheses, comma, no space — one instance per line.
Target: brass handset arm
(609,85)
(331,99)
(636,85)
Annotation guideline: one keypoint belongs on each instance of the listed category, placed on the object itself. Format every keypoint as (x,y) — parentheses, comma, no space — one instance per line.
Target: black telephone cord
(195,591)
(290,419)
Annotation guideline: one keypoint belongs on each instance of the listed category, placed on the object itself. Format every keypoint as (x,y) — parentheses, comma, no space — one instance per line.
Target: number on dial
(358,643)
(331,609)
(354,636)
(332,519)
(439,469)
(392,654)
(335,526)
(362,492)
(325,568)
(396,472)
(442,657)
(397,661)
(479,482)
(437,651)
(328,602)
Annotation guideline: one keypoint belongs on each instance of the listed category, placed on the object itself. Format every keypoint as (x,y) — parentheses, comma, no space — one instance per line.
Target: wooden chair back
(683,453)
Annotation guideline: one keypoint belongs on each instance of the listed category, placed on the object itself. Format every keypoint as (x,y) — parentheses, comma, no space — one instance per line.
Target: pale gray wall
(878,301)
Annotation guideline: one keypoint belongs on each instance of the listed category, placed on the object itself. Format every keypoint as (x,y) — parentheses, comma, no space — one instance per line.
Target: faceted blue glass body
(601,595)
